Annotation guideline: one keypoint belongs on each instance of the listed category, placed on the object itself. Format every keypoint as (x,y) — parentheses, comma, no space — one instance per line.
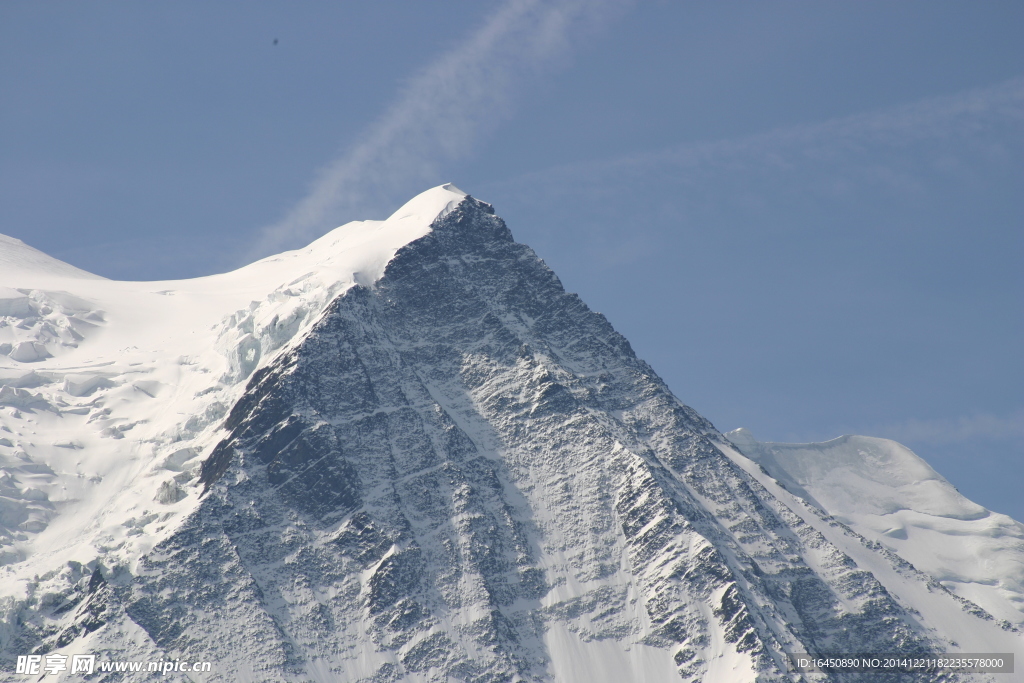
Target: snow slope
(18,260)
(886,493)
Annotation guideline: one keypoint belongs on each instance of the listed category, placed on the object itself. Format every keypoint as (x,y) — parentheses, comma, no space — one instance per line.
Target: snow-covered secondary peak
(17,259)
(888,494)
(405,453)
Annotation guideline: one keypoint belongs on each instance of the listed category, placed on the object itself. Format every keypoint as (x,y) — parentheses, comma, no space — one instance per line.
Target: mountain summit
(405,453)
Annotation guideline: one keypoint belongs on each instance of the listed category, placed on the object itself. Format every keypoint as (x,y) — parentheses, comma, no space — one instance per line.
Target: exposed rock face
(463,473)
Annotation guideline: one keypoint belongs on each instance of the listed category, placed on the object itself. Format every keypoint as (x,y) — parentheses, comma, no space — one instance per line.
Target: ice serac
(458,472)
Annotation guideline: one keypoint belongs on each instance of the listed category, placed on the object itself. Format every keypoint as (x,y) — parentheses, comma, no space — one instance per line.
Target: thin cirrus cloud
(441,114)
(849,145)
(960,429)
(787,179)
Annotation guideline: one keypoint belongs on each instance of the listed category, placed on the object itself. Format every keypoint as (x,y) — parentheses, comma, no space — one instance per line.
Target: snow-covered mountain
(406,453)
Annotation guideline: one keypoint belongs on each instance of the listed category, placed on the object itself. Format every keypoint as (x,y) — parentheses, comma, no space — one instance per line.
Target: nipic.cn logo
(33,665)
(43,665)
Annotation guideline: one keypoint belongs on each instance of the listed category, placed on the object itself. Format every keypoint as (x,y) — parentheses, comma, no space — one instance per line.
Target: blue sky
(806,216)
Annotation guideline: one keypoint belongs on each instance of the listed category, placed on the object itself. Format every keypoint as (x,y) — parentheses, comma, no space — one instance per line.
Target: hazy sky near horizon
(806,216)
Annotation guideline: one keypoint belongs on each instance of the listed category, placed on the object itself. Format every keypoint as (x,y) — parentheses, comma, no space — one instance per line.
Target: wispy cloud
(622,210)
(441,114)
(959,429)
(962,116)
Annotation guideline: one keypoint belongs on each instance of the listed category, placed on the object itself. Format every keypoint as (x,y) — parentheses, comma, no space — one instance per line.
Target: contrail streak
(440,115)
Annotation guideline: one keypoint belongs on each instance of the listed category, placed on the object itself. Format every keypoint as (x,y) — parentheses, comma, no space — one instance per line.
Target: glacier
(406,453)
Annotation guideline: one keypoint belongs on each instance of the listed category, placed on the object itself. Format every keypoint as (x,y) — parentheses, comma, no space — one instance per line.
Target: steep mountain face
(454,470)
